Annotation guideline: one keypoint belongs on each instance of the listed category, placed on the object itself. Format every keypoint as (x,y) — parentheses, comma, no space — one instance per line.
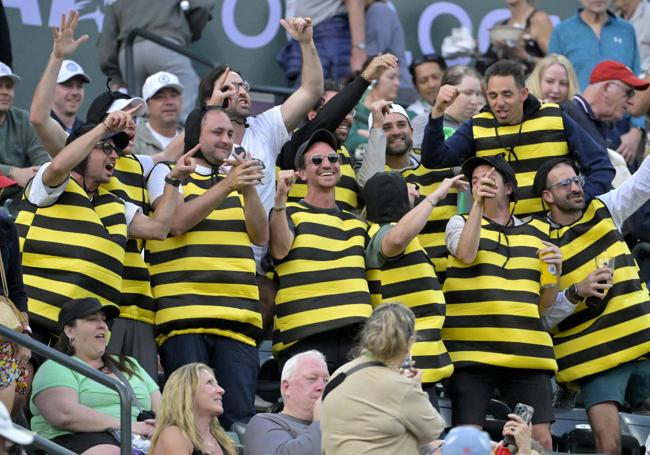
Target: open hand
(64,43)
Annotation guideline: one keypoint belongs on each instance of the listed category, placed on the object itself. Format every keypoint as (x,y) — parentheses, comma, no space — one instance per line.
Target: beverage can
(548,276)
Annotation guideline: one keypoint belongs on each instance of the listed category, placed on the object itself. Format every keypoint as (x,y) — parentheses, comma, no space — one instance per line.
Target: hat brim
(178,87)
(13,77)
(321,135)
(83,76)
(122,103)
(17,435)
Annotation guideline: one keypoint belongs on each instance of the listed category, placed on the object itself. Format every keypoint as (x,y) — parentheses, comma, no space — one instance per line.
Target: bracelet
(430,202)
(279,208)
(172,182)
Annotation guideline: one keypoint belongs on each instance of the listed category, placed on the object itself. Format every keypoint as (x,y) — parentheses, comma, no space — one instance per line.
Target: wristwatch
(572,294)
(172,182)
(360,45)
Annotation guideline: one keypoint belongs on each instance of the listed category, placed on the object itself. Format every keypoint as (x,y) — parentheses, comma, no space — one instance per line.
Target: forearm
(436,152)
(356,21)
(75,417)
(73,154)
(375,159)
(281,236)
(396,241)
(44,93)
(547,297)
(173,151)
(160,222)
(191,213)
(335,110)
(255,217)
(470,237)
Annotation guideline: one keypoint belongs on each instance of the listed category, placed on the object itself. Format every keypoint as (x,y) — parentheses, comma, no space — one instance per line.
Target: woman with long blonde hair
(187,422)
(553,80)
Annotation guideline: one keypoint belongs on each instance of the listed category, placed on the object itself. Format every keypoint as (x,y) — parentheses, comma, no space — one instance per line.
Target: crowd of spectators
(393,243)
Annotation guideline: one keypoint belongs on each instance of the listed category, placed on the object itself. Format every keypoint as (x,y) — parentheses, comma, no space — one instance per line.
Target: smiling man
(69,95)
(517,125)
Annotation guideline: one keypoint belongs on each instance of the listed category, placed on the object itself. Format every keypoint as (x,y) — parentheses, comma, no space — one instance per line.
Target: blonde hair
(388,332)
(177,409)
(534,81)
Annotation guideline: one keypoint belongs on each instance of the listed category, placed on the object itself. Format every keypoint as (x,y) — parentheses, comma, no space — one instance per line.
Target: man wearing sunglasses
(73,231)
(603,322)
(319,260)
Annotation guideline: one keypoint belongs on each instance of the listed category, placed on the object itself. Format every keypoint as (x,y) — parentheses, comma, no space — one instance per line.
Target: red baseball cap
(6,181)
(611,70)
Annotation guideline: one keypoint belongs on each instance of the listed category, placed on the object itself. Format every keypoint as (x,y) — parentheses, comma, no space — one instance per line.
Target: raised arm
(49,132)
(298,104)
(375,159)
(281,235)
(357,23)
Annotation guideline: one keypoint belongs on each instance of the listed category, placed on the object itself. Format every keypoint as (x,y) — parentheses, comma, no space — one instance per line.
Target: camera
(146,415)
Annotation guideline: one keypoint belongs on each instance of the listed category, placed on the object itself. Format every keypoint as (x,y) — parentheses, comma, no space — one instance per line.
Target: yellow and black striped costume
(204,280)
(71,249)
(136,301)
(590,341)
(493,303)
(526,146)
(411,280)
(347,197)
(322,281)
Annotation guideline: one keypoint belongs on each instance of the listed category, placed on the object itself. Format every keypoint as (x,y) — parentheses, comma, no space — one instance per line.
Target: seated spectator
(553,79)
(426,74)
(369,405)
(71,409)
(188,423)
(295,430)
(9,433)
(520,431)
(69,95)
(463,440)
(383,88)
(163,94)
(469,102)
(20,152)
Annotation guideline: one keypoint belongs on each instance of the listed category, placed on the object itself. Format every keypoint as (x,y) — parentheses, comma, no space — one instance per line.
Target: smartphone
(526,413)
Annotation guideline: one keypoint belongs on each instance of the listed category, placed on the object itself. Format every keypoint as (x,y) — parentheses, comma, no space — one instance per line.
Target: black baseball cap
(120,139)
(321,135)
(497,162)
(83,307)
(539,184)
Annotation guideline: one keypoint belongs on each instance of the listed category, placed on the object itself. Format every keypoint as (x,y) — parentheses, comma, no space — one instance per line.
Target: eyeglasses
(108,148)
(331,157)
(566,183)
(243,84)
(629,91)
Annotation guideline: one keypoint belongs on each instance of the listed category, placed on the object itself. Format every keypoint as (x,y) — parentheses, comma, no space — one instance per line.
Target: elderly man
(163,93)
(295,430)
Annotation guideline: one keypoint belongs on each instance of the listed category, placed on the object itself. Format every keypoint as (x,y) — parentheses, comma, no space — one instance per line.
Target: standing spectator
(322,289)
(163,94)
(168,20)
(489,248)
(553,80)
(602,344)
(339,36)
(69,95)
(505,126)
(295,430)
(203,276)
(638,13)
(20,152)
(426,74)
(369,405)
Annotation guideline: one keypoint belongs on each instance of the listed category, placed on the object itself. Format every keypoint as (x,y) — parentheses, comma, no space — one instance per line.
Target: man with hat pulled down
(493,331)
(604,343)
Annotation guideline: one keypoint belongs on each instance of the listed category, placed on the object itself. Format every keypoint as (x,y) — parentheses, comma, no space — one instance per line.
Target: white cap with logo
(393,109)
(5,71)
(10,431)
(158,81)
(70,69)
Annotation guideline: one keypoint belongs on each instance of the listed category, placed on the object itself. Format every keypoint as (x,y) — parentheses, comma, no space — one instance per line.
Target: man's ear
(547,197)
(302,174)
(311,114)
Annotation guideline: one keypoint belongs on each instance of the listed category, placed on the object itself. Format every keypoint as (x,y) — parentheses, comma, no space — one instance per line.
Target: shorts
(10,371)
(80,442)
(471,388)
(627,382)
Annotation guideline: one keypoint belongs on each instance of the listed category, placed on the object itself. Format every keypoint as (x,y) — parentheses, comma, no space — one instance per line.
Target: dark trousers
(235,366)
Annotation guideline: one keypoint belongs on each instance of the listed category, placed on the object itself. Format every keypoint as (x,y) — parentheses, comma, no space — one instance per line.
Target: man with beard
(516,124)
(603,345)
(69,95)
(335,112)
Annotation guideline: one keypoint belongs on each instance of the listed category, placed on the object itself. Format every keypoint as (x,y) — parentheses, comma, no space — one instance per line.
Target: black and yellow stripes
(347,191)
(411,280)
(71,249)
(136,301)
(526,146)
(590,340)
(493,303)
(204,280)
(322,281)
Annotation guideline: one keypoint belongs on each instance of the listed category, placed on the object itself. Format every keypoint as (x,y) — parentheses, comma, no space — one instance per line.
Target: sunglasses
(566,183)
(629,91)
(331,157)
(108,148)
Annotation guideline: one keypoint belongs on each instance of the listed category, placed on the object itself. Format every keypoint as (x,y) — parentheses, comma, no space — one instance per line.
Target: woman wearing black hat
(75,411)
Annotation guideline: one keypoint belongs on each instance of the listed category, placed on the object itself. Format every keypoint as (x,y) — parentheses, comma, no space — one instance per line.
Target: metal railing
(79,367)
(130,63)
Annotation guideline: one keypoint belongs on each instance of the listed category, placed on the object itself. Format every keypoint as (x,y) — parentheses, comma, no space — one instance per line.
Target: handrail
(130,64)
(79,367)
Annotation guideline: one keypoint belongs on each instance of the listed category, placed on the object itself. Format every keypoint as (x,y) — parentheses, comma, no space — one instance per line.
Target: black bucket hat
(498,163)
(386,197)
(83,307)
(539,184)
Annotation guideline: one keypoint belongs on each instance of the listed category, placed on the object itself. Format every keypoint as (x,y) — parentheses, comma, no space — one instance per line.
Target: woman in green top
(72,409)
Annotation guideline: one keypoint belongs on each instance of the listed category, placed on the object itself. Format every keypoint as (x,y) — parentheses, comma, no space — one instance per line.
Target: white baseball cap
(121,103)
(158,81)
(70,69)
(11,431)
(5,71)
(393,109)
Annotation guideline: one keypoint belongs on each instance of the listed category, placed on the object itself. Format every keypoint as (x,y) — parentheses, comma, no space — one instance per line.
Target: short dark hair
(507,68)
(426,58)
(207,83)
(329,85)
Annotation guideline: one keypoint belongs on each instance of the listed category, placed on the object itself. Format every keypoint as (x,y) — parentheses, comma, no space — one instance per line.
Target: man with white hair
(163,94)
(69,95)
(295,430)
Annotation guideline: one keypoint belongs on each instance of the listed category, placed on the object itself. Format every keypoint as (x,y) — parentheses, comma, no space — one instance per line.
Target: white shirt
(162,140)
(42,195)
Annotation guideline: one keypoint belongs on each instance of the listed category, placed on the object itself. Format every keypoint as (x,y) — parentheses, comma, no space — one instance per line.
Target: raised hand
(379,110)
(299,28)
(446,96)
(446,185)
(246,172)
(221,90)
(119,120)
(378,65)
(551,255)
(486,187)
(285,181)
(185,165)
(64,42)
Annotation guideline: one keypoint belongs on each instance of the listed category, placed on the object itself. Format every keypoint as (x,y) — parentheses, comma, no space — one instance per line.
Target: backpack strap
(334,383)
